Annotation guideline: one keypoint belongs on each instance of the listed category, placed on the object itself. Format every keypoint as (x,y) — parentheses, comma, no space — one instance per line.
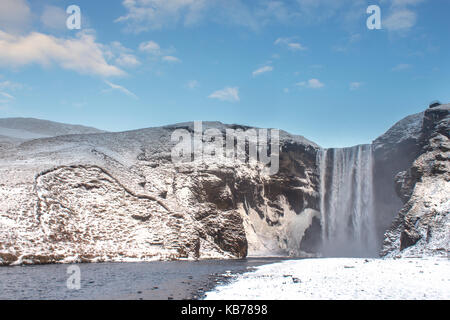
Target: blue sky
(310,67)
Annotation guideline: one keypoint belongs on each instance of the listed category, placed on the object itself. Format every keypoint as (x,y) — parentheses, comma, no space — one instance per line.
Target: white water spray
(346,202)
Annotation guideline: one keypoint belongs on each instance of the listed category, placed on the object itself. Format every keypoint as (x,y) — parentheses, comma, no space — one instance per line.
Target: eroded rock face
(423,224)
(119,197)
(394,153)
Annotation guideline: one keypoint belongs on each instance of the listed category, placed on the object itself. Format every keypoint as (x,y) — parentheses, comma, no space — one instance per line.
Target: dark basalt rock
(313,237)
(408,238)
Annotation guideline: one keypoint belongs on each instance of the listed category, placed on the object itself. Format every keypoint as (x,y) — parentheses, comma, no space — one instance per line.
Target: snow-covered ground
(342,278)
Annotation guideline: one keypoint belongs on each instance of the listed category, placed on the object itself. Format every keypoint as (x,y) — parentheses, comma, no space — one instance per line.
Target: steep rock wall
(119,197)
(422,226)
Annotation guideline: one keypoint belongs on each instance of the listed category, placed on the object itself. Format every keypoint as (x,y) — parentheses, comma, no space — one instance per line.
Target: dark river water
(147,280)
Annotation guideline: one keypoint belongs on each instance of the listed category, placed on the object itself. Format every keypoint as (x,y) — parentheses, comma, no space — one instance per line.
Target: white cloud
(347,43)
(355,85)
(401,17)
(290,43)
(171,59)
(399,3)
(155,52)
(127,60)
(227,94)
(401,67)
(7,98)
(122,56)
(400,20)
(144,15)
(354,38)
(150,47)
(311,83)
(81,54)
(338,48)
(79,105)
(10,85)
(318,11)
(121,89)
(262,70)
(317,66)
(15,15)
(192,84)
(54,17)
(7,95)
(296,46)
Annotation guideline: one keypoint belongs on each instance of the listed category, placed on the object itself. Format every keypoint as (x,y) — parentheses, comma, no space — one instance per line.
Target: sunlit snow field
(342,278)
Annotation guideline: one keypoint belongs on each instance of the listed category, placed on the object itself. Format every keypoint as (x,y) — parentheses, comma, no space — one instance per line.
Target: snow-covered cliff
(88,196)
(422,226)
(119,197)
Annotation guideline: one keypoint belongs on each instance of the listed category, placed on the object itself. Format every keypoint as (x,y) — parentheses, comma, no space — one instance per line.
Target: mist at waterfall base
(347,202)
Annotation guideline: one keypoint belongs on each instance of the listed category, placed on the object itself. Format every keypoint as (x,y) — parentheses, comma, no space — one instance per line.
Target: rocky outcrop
(423,225)
(394,152)
(119,197)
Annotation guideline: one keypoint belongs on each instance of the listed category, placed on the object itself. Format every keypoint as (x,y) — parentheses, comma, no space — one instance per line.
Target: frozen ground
(342,278)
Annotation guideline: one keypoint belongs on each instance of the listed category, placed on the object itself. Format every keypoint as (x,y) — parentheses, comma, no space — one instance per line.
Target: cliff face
(394,152)
(422,226)
(119,197)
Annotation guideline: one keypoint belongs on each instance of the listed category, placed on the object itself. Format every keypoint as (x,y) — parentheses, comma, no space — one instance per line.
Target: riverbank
(341,278)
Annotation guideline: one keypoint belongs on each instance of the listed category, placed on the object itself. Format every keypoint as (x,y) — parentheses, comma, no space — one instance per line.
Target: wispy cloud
(347,43)
(230,94)
(81,54)
(7,95)
(122,55)
(157,14)
(401,17)
(262,70)
(290,43)
(311,83)
(127,60)
(339,48)
(5,100)
(171,59)
(117,87)
(355,85)
(192,84)
(144,15)
(400,20)
(401,67)
(150,47)
(154,50)
(10,85)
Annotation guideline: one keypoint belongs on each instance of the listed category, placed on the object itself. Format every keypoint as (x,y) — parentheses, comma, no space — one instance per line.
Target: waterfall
(346,202)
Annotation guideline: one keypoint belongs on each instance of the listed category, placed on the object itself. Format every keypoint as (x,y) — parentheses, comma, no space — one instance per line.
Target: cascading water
(346,202)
